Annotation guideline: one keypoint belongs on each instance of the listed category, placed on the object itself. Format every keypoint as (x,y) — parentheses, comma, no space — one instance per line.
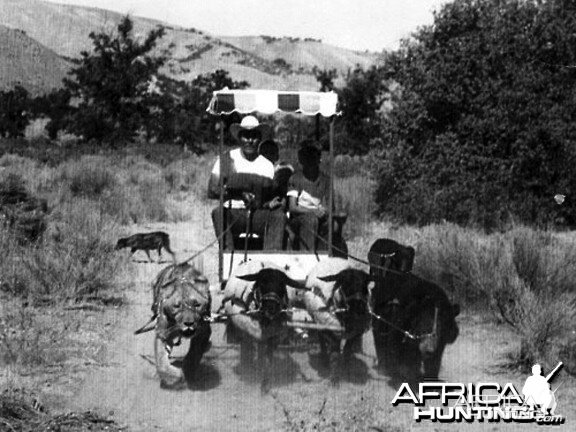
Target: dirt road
(300,399)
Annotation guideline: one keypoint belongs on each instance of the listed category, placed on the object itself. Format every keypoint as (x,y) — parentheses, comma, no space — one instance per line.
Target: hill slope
(26,62)
(65,30)
(302,54)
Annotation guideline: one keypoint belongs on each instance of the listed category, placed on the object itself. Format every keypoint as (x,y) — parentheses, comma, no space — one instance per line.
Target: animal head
(390,254)
(351,287)
(122,243)
(270,294)
(182,302)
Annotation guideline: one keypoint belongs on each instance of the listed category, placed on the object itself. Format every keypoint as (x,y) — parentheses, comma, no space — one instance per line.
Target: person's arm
(296,209)
(214,182)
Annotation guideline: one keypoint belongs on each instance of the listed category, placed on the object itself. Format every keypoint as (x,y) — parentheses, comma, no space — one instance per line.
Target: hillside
(26,62)
(65,29)
(302,54)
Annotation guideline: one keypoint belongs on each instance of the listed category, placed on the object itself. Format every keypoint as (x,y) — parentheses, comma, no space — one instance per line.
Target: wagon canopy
(271,101)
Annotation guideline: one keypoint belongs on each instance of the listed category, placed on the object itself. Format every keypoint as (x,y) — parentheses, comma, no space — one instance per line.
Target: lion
(181,306)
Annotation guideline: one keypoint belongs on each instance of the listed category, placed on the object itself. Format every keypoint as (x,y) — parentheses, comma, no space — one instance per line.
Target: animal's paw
(173,385)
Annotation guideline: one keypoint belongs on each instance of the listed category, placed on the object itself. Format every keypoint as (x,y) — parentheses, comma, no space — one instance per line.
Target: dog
(147,242)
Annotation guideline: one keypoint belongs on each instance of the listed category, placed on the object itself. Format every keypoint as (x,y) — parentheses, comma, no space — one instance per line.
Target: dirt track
(300,399)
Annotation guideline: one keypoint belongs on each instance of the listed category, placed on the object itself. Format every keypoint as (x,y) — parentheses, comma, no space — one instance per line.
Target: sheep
(338,298)
(255,301)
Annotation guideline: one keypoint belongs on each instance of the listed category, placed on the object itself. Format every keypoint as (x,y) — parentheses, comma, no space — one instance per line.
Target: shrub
(15,108)
(352,196)
(16,163)
(129,190)
(524,277)
(89,177)
(76,260)
(153,191)
(189,174)
(20,410)
(543,261)
(12,278)
(31,336)
(479,131)
(79,260)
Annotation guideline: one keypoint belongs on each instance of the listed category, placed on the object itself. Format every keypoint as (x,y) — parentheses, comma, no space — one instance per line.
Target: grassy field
(521,279)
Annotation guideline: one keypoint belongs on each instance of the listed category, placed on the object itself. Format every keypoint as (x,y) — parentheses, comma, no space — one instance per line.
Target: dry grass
(21,410)
(23,345)
(523,278)
(353,195)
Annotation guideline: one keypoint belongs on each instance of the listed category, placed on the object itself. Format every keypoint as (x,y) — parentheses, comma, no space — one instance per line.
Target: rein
(406,332)
(385,268)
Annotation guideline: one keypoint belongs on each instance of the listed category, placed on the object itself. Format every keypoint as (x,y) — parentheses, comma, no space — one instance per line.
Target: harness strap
(356,258)
(406,332)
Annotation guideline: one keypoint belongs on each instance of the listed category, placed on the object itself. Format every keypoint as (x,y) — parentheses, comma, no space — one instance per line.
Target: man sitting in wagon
(247,179)
(308,194)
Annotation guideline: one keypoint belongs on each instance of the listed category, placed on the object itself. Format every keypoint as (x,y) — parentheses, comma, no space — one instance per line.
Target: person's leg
(305,228)
(236,216)
(322,232)
(217,221)
(270,224)
(276,225)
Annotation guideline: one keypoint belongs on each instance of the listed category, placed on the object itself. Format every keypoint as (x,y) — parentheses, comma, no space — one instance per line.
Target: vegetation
(361,100)
(482,126)
(479,136)
(14,112)
(20,410)
(113,85)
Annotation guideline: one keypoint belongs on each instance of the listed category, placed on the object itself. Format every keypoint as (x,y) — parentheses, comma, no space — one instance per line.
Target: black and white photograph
(298,215)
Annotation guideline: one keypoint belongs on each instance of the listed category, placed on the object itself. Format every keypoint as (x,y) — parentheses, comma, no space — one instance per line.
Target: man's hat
(250,124)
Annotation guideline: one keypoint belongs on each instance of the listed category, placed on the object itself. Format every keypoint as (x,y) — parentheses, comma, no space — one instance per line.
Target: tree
(325,78)
(182,115)
(112,84)
(203,87)
(56,106)
(361,100)
(15,112)
(482,128)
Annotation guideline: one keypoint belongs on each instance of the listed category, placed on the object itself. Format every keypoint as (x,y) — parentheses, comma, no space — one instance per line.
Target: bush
(12,277)
(542,260)
(189,174)
(31,336)
(15,108)
(129,190)
(480,132)
(76,260)
(89,177)
(21,411)
(524,277)
(23,213)
(352,196)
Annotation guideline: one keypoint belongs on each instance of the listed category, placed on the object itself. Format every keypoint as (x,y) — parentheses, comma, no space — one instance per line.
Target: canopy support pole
(331,195)
(221,203)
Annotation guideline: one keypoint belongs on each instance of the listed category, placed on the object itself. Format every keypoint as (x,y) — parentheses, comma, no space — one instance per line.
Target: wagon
(225,102)
(297,264)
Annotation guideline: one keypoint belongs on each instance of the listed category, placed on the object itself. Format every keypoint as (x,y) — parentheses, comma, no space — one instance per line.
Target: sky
(355,24)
